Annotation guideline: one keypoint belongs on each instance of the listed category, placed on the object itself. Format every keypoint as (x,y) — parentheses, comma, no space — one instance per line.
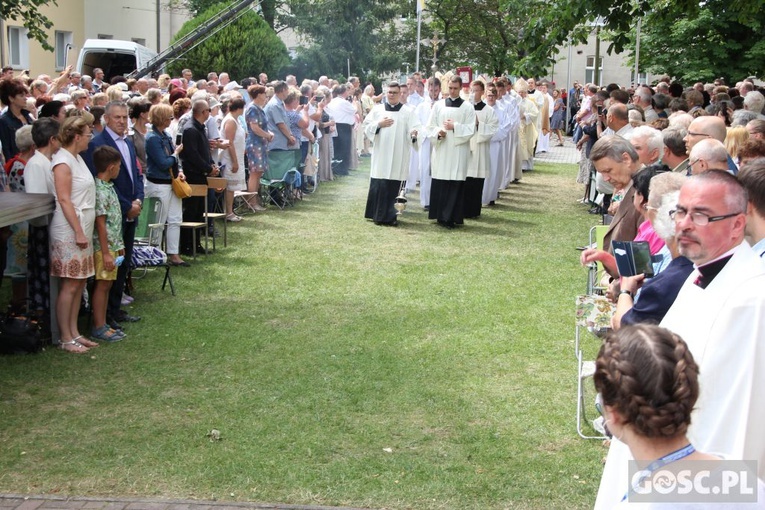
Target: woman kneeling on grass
(648,382)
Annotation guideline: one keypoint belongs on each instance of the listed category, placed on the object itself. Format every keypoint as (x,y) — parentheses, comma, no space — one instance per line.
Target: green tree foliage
(494,36)
(562,18)
(707,44)
(245,48)
(27,11)
(343,31)
(197,7)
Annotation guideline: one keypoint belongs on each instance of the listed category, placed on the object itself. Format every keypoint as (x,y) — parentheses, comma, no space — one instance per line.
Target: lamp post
(599,22)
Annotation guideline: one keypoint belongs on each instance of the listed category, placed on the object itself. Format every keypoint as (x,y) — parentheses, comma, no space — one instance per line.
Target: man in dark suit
(616,160)
(129,188)
(197,165)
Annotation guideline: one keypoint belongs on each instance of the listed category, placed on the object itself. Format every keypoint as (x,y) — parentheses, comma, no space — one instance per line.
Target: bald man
(708,127)
(706,155)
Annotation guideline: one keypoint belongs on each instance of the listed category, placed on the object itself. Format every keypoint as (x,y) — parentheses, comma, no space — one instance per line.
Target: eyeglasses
(699,218)
(691,133)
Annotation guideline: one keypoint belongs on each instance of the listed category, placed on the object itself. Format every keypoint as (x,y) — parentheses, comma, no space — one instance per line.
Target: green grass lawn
(343,363)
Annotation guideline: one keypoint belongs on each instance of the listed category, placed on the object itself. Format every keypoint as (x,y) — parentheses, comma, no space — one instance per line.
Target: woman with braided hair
(648,382)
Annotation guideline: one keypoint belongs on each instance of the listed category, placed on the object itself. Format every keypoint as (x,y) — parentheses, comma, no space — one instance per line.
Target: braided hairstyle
(649,376)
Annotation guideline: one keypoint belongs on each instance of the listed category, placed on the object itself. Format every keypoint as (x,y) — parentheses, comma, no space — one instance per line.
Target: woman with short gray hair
(658,293)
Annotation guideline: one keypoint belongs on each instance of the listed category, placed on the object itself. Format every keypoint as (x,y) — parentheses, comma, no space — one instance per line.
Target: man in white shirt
(344,114)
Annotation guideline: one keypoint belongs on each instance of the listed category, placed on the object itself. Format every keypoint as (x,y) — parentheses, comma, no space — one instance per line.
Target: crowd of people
(459,142)
(683,171)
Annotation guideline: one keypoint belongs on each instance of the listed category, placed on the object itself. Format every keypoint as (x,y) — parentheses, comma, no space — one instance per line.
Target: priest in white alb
(392,127)
(450,128)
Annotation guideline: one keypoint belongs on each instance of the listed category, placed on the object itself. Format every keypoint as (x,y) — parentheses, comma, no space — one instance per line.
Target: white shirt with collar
(122,146)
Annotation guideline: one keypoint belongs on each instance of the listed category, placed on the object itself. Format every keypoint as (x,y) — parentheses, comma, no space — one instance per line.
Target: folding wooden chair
(197,190)
(217,184)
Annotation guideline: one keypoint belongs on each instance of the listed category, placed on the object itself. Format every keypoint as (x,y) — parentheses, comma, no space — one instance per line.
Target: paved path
(565,154)
(53,502)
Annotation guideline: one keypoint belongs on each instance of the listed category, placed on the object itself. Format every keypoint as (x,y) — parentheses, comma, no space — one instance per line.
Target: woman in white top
(71,229)
(233,156)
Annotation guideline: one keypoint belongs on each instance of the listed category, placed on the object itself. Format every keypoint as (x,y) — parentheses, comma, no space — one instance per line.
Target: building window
(63,45)
(589,72)
(105,36)
(642,78)
(140,41)
(18,47)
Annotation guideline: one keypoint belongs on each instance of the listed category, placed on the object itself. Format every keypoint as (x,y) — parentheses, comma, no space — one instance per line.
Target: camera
(303,100)
(601,111)
(319,99)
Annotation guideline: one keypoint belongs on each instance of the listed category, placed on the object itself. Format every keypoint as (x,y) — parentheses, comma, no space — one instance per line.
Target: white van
(116,58)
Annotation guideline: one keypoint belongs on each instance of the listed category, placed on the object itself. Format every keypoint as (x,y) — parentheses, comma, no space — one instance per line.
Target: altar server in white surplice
(479,168)
(423,114)
(450,128)
(391,127)
(496,152)
(509,100)
(720,313)
(416,97)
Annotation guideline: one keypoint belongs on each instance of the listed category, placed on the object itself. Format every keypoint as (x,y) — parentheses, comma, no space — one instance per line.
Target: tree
(708,44)
(197,7)
(343,32)
(245,48)
(28,11)
(619,17)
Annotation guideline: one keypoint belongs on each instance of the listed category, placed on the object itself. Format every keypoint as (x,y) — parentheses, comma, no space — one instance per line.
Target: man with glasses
(392,127)
(756,129)
(450,127)
(719,312)
(616,160)
(706,155)
(705,127)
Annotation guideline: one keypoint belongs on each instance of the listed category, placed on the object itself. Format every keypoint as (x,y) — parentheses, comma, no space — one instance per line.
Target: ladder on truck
(212,26)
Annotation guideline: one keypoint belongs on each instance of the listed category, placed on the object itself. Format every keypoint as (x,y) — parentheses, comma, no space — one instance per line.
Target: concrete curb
(56,502)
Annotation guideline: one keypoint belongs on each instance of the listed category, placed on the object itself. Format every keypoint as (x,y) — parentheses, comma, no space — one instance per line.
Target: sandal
(85,342)
(72,346)
(107,334)
(233,218)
